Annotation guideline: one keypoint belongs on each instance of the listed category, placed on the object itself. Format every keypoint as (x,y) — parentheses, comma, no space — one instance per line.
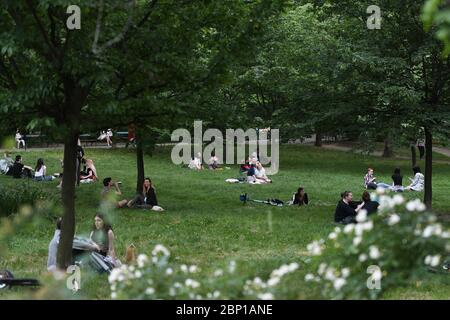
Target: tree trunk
(139,165)
(75,98)
(413,156)
(428,168)
(318,142)
(388,152)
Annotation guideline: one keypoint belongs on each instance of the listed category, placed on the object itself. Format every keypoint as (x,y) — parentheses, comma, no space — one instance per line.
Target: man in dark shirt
(19,170)
(344,213)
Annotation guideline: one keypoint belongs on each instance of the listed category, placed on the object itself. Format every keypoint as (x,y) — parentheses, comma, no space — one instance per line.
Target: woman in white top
(418,182)
(19,139)
(260,174)
(196,163)
(40,171)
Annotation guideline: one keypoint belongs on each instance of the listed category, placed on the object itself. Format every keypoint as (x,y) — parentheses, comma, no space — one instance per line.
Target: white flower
(428,260)
(393,219)
(386,203)
(433,260)
(374,252)
(169,271)
(160,249)
(218,273)
(266,296)
(329,274)
(415,205)
(184,268)
(232,266)
(172,292)
(293,266)
(357,241)
(113,276)
(138,274)
(445,235)
(322,268)
(192,283)
(332,236)
(345,272)
(177,285)
(362,257)
(273,281)
(193,269)
(314,248)
(339,283)
(257,281)
(359,229)
(434,229)
(309,277)
(149,291)
(216,294)
(361,216)
(398,199)
(377,275)
(381,190)
(141,260)
(349,228)
(367,225)
(337,230)
(113,295)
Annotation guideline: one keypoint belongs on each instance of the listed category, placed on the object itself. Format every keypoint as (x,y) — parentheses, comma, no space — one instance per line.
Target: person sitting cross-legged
(146,199)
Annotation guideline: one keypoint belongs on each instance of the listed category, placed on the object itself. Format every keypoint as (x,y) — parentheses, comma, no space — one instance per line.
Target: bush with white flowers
(390,248)
(156,278)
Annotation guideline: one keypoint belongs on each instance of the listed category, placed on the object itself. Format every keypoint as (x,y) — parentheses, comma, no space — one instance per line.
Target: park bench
(88,139)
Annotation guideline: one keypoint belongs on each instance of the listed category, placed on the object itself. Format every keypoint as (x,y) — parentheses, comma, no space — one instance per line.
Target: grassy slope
(206,224)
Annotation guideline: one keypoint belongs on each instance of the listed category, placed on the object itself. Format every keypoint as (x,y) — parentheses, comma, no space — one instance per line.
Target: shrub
(391,248)
(13,197)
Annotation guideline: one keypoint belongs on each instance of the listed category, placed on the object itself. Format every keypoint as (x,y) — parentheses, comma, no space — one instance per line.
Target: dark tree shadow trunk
(319,139)
(413,156)
(428,168)
(388,151)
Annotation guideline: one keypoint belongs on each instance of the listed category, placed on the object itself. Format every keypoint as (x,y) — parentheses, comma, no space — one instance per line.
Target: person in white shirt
(260,174)
(213,162)
(40,172)
(19,139)
(196,163)
(418,182)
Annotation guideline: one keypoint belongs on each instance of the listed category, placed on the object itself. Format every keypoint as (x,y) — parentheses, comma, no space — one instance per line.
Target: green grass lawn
(206,224)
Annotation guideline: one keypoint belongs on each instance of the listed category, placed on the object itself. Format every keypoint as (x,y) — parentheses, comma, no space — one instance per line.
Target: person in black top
(398,181)
(80,156)
(344,213)
(19,170)
(146,199)
(301,197)
(369,205)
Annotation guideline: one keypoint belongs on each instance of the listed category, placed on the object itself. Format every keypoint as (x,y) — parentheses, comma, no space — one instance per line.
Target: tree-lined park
(350,85)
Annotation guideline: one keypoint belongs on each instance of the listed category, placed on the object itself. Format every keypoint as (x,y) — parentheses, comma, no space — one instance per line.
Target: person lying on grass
(300,198)
(146,199)
(108,185)
(345,212)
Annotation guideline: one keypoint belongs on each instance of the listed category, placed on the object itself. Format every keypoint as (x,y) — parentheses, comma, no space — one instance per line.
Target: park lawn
(206,224)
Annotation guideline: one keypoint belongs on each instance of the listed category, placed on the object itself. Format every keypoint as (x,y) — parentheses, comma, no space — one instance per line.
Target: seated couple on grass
(19,170)
(347,209)
(417,183)
(213,162)
(145,200)
(256,174)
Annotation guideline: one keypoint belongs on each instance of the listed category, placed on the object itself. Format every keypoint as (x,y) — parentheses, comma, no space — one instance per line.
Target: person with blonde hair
(90,175)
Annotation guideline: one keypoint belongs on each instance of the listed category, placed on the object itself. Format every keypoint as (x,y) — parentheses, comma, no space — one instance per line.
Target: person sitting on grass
(40,172)
(417,183)
(367,203)
(300,197)
(103,237)
(260,173)
(251,174)
(146,199)
(196,163)
(90,173)
(397,178)
(19,170)
(370,181)
(345,212)
(53,247)
(107,188)
(213,162)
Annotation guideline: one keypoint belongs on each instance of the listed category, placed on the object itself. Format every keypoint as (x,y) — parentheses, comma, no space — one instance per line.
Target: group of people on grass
(197,164)
(416,183)
(17,169)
